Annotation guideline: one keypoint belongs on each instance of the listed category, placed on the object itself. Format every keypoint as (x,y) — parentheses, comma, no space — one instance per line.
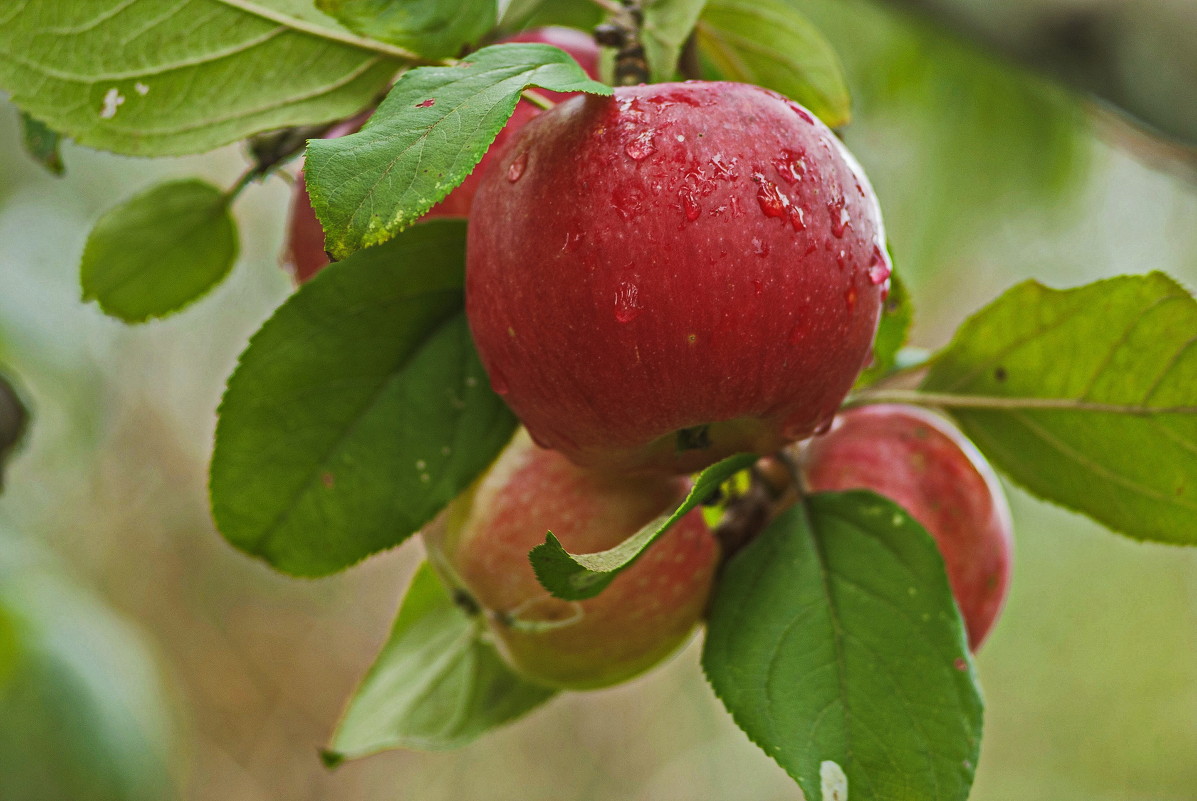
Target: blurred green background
(143,658)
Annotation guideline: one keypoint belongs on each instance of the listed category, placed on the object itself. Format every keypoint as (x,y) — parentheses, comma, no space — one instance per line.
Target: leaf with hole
(834,642)
(160,77)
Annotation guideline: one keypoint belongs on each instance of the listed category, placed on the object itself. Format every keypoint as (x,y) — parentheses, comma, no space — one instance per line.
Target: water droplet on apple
(850,298)
(760,248)
(791,165)
(640,146)
(773,202)
(572,241)
(800,111)
(724,168)
(627,302)
(517,167)
(839,217)
(689,204)
(879,269)
(498,383)
(798,218)
(628,202)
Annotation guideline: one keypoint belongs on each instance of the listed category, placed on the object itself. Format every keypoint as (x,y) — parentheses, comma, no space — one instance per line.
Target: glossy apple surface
(305,256)
(921,461)
(680,272)
(481,545)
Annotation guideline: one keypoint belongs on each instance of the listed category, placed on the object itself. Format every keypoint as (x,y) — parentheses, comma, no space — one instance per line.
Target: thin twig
(954,401)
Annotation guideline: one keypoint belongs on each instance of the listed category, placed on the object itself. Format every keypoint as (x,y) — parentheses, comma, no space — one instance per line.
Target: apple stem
(774,486)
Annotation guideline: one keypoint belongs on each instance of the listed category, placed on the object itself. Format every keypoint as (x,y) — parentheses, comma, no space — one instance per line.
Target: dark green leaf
(897,314)
(428,134)
(159,251)
(160,77)
(834,642)
(14,419)
(576,577)
(431,28)
(523,14)
(435,685)
(358,411)
(771,44)
(1116,362)
(42,144)
(667,25)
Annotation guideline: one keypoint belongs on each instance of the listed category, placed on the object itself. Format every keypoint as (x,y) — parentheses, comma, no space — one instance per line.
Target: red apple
(921,461)
(305,254)
(662,278)
(481,545)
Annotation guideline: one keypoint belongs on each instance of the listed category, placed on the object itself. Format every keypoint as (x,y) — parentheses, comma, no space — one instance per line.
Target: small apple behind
(481,544)
(305,256)
(921,461)
(674,274)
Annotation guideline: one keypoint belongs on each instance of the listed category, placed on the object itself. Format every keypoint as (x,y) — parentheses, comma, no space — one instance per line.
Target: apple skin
(921,461)
(304,255)
(481,544)
(665,277)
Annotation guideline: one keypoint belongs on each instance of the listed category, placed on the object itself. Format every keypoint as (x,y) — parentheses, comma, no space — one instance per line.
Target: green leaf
(897,313)
(428,134)
(432,28)
(42,144)
(1116,364)
(834,642)
(357,411)
(159,251)
(436,684)
(667,25)
(525,14)
(576,577)
(14,420)
(162,77)
(772,44)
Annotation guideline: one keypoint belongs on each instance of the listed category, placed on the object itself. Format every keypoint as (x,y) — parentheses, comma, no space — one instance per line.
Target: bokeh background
(143,658)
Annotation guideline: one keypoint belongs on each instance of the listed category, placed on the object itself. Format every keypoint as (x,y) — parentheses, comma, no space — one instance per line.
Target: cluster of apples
(657,280)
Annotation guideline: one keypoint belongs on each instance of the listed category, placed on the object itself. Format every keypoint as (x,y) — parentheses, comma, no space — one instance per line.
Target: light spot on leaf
(141,88)
(112,101)
(832,781)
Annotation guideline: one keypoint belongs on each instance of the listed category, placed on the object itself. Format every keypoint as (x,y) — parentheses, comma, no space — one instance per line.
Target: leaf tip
(331,759)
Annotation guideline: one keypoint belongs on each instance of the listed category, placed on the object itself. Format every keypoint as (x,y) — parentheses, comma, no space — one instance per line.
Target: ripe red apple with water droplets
(679,272)
(481,544)
(305,255)
(921,461)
